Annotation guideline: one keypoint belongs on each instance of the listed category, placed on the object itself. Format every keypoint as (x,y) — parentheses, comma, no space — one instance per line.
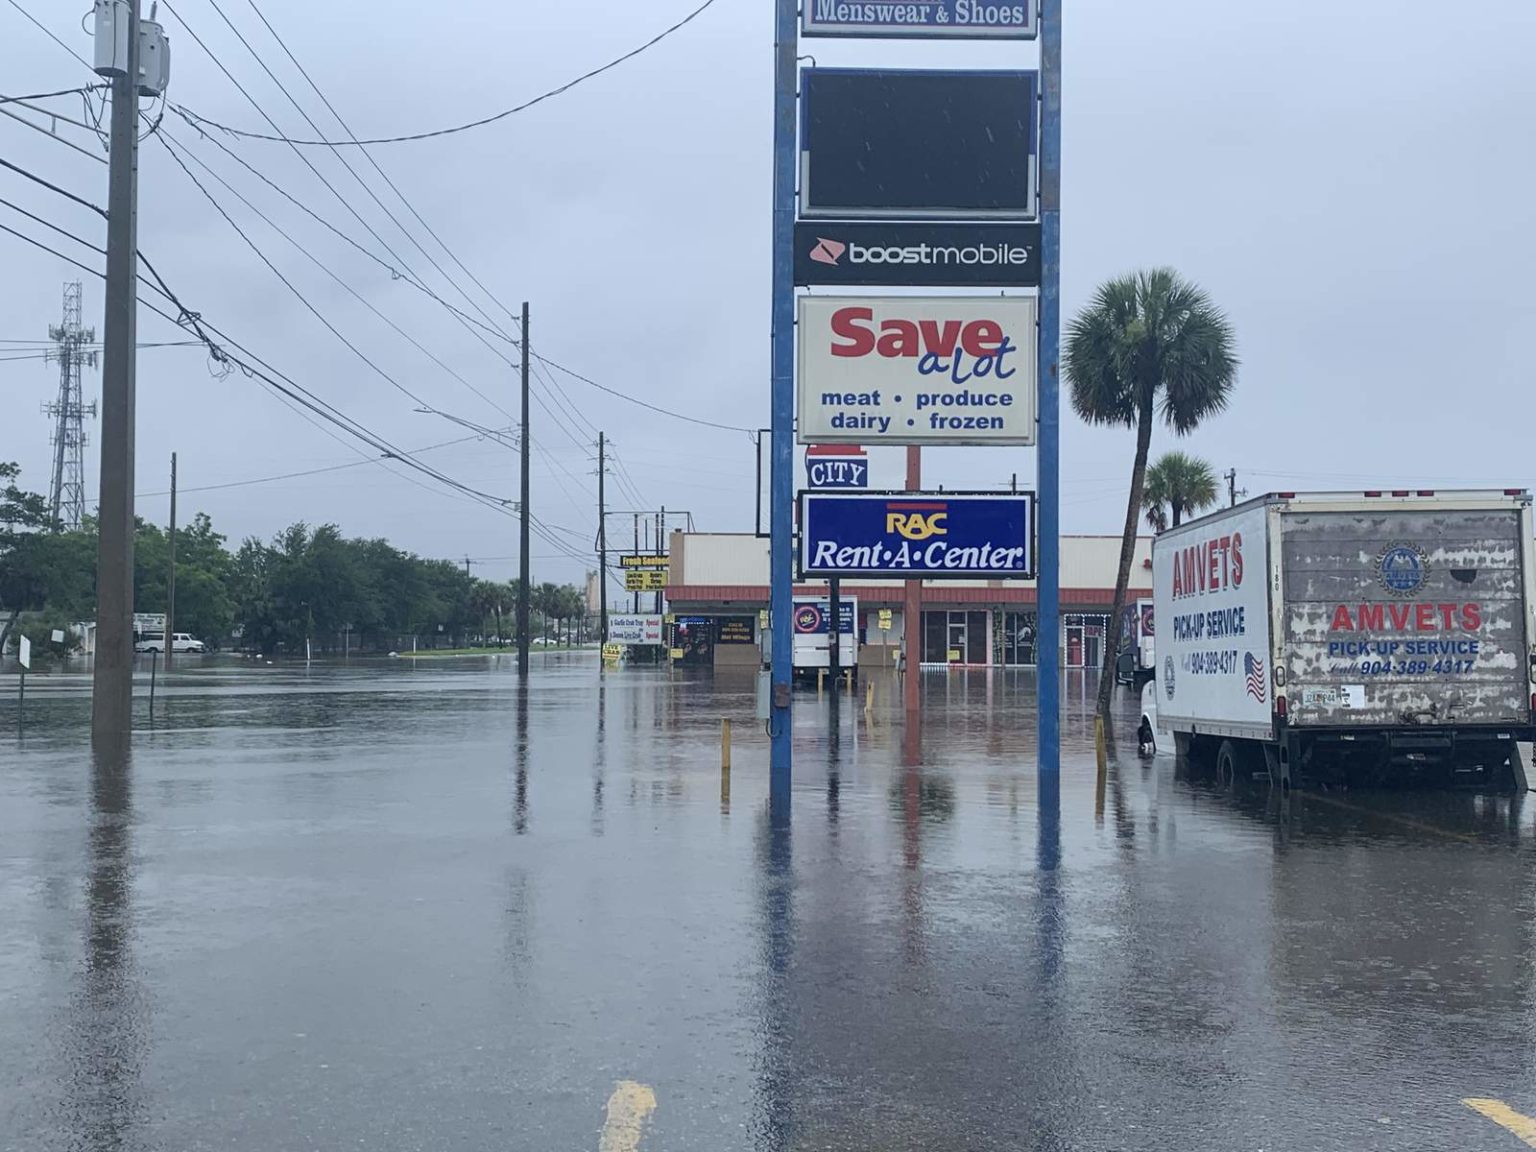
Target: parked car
(180,642)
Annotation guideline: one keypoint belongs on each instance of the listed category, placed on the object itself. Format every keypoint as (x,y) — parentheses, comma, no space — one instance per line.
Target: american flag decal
(1255,673)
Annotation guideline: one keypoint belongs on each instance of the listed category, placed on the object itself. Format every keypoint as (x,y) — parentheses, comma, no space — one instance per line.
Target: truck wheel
(1231,764)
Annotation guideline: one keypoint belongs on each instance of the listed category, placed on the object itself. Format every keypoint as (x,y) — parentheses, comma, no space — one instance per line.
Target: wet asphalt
(409,906)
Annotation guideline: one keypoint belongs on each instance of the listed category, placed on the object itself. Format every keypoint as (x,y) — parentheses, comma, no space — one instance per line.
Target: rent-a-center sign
(917,370)
(918,535)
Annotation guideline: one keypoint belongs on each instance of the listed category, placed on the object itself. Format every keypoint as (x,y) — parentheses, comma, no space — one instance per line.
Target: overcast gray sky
(1354,188)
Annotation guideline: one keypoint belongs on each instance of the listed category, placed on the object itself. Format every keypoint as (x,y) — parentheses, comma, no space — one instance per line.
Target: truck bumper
(1481,757)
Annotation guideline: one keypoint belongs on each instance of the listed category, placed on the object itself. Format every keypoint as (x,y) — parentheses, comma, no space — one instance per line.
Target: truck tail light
(1426,492)
(1401,492)
(1281,706)
(1286,495)
(1514,491)
(1373,492)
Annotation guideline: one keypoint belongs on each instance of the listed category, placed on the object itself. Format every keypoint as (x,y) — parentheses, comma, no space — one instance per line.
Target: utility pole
(170,582)
(112,679)
(658,550)
(1232,488)
(636,607)
(602,536)
(525,446)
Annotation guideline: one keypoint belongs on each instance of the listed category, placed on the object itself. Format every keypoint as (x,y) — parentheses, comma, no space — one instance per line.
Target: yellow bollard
(869,697)
(1100,751)
(821,677)
(725,745)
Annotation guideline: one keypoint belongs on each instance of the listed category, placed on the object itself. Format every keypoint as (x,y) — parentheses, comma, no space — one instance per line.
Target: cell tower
(67,496)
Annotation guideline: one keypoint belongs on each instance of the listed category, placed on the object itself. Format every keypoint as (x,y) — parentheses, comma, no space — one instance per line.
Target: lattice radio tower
(67,496)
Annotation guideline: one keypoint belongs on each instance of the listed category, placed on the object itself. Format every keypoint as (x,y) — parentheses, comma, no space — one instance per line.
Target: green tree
(1179,481)
(1148,344)
(24,518)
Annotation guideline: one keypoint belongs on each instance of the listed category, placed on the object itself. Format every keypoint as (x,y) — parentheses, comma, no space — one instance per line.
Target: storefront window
(1018,639)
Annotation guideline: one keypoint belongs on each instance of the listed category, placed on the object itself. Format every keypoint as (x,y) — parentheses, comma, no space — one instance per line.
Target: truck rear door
(1404,616)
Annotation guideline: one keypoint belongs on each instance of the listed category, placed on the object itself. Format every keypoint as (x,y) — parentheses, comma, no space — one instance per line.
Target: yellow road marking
(1392,818)
(1505,1117)
(628,1108)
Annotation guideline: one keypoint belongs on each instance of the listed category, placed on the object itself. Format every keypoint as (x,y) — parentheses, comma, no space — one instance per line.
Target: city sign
(644,580)
(918,535)
(915,253)
(917,370)
(909,144)
(652,561)
(921,19)
(634,629)
(823,471)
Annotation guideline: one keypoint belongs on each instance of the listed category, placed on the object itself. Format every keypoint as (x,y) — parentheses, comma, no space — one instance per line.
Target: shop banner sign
(634,629)
(917,370)
(918,535)
(922,19)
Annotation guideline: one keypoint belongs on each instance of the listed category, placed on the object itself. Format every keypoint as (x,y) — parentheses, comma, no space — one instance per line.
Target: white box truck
(1377,636)
(813,636)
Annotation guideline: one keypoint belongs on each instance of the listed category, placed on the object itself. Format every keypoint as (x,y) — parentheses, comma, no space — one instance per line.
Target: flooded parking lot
(415,906)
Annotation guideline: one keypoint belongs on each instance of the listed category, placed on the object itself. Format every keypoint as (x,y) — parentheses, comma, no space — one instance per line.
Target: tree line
(306,584)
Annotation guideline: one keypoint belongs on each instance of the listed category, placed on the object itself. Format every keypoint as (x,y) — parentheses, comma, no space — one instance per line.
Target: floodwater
(411,906)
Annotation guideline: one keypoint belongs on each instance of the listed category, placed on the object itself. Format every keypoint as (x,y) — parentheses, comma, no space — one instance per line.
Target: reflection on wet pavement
(422,907)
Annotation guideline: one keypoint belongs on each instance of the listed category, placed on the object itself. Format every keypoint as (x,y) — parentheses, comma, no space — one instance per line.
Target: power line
(566,87)
(254,366)
(339,156)
(306,472)
(642,403)
(49,95)
(45,31)
(345,203)
(323,267)
(392,186)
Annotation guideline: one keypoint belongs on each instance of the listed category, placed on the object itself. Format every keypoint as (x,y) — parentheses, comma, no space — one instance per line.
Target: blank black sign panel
(917,143)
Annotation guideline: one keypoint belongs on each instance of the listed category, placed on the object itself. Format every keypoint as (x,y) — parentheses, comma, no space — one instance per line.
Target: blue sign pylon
(781,465)
(1048,587)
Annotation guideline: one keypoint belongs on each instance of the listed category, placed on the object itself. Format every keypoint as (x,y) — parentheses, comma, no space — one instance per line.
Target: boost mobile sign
(907,535)
(917,370)
(918,254)
(957,19)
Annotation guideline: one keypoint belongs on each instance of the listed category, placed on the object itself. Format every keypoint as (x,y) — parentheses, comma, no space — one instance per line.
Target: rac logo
(918,524)
(828,251)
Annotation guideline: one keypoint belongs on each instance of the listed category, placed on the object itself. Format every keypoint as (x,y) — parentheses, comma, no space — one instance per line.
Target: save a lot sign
(917,370)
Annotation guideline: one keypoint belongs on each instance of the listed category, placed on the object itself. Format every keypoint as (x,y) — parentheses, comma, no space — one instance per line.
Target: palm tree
(1179,481)
(1149,343)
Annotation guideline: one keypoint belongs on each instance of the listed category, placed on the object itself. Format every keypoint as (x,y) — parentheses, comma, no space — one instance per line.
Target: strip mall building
(718,587)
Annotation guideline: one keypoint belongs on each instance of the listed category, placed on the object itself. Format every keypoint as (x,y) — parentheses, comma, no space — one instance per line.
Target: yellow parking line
(1392,818)
(1505,1117)
(628,1108)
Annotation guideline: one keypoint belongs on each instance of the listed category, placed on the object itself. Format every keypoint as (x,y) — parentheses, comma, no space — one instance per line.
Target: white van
(180,642)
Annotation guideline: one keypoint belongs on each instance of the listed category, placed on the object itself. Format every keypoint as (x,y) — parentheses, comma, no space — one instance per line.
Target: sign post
(24,655)
(1048,590)
(781,531)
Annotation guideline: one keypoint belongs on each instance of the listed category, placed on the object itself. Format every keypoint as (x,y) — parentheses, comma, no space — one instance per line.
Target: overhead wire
(50,95)
(165,141)
(339,155)
(303,158)
(482,121)
(272,376)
